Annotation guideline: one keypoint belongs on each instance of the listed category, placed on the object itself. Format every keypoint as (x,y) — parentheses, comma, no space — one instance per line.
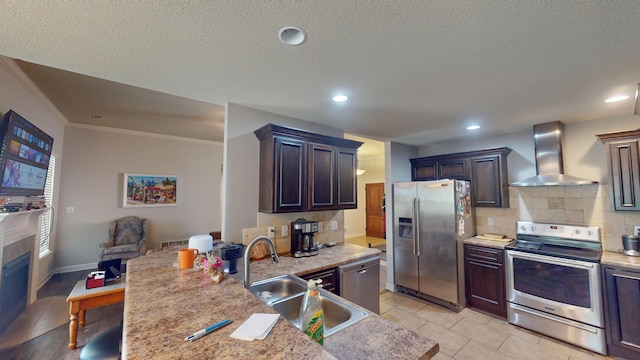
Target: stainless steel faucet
(247,255)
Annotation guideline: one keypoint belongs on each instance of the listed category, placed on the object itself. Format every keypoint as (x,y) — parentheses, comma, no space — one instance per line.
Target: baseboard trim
(45,279)
(72,268)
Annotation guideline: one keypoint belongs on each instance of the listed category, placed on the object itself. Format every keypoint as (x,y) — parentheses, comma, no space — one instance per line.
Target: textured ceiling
(417,72)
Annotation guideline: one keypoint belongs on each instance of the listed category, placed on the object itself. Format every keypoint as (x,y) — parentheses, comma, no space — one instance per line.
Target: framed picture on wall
(149,190)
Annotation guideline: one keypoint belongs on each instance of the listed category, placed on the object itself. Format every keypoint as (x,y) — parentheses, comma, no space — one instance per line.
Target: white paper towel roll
(203,243)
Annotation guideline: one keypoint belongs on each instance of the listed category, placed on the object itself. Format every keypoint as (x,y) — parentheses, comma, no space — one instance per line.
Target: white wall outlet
(490,221)
(636,230)
(334,225)
(285,230)
(69,209)
(272,232)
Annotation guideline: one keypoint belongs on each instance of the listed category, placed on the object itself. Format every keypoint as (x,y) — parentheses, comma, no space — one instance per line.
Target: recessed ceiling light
(292,35)
(616,98)
(340,98)
(473,127)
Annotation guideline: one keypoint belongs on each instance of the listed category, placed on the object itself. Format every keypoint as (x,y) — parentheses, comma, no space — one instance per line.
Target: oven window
(559,283)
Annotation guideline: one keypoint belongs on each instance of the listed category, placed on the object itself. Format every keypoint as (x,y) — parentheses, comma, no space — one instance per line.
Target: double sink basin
(285,293)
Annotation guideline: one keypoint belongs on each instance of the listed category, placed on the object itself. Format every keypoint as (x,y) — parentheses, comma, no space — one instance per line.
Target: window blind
(47,218)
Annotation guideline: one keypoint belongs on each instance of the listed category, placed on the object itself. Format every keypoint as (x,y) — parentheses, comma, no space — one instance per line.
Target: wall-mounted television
(24,157)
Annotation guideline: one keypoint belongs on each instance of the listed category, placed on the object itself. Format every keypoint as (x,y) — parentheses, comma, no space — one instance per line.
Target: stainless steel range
(553,283)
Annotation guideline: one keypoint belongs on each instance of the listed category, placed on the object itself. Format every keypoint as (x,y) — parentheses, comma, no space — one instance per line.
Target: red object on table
(95,280)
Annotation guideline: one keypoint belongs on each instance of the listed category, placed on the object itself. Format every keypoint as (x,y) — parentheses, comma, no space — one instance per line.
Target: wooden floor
(54,344)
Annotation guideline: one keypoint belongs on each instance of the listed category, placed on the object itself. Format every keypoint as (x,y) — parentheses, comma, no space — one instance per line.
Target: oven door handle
(553,318)
(551,259)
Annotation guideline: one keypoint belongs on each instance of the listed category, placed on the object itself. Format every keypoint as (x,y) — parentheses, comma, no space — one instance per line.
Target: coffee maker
(302,238)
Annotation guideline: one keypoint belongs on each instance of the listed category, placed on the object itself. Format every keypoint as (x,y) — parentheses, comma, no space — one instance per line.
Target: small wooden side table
(80,299)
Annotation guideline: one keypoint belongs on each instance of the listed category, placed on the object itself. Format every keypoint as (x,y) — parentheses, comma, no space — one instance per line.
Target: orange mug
(186,257)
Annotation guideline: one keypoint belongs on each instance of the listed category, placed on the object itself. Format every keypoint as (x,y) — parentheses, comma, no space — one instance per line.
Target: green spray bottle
(311,315)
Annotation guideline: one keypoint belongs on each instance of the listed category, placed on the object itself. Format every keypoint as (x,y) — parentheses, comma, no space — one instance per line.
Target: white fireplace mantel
(16,226)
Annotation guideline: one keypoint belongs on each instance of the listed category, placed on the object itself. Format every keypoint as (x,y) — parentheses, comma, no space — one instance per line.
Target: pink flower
(218,262)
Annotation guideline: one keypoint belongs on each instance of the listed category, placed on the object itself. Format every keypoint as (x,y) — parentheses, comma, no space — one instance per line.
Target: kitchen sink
(277,288)
(285,293)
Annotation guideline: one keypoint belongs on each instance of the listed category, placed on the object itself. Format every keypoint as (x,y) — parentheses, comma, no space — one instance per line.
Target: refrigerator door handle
(414,225)
(416,237)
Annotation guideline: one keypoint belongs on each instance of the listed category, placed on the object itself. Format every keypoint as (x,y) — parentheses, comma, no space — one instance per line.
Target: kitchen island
(163,305)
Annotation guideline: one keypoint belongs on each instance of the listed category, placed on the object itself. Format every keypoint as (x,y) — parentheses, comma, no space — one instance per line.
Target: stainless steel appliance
(548,139)
(430,220)
(360,283)
(553,283)
(630,245)
(302,238)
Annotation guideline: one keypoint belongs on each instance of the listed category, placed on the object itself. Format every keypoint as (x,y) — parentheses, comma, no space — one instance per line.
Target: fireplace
(21,267)
(13,289)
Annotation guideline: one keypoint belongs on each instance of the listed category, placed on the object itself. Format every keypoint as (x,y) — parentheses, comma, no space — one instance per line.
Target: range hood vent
(549,142)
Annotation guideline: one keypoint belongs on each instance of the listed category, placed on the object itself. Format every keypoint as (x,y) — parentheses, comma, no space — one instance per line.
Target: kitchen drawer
(329,279)
(484,254)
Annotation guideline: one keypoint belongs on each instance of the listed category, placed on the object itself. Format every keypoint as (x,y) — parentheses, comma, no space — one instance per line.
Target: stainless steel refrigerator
(430,221)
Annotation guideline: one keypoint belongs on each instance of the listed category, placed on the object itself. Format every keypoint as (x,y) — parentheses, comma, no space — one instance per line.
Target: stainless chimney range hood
(549,142)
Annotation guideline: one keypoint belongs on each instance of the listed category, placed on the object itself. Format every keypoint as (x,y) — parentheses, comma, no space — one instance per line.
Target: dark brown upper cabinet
(486,169)
(304,171)
(623,164)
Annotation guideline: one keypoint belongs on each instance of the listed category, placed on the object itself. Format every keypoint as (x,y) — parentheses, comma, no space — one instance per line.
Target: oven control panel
(574,232)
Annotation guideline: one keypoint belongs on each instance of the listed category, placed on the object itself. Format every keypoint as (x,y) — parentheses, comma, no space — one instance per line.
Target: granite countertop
(163,305)
(327,258)
(496,244)
(617,259)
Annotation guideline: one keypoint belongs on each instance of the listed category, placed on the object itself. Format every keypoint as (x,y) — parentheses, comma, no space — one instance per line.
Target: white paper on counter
(257,326)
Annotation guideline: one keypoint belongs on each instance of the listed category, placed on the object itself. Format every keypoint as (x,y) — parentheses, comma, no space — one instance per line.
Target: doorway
(375,221)
(364,225)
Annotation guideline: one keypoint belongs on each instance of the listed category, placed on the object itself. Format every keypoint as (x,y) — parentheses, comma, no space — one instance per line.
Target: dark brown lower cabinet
(329,279)
(621,313)
(485,279)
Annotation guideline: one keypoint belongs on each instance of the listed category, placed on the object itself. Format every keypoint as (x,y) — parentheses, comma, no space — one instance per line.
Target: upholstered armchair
(127,239)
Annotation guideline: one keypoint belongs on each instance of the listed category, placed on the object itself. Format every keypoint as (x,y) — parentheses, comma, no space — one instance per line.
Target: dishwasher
(360,283)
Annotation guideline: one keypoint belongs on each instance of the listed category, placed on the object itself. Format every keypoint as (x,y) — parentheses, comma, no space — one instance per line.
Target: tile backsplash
(283,242)
(587,205)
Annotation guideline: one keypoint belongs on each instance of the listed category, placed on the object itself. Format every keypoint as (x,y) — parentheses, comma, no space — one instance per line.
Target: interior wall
(355,220)
(397,169)
(92,184)
(242,164)
(520,162)
(583,153)
(21,95)
(584,156)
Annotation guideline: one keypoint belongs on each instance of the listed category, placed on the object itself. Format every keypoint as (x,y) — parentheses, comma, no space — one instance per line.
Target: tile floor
(473,335)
